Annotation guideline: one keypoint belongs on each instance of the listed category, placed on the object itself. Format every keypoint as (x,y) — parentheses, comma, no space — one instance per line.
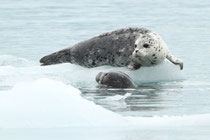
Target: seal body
(114,79)
(111,48)
(123,47)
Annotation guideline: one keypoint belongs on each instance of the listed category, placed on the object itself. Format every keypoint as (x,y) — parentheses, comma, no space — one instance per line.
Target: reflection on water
(142,99)
(150,99)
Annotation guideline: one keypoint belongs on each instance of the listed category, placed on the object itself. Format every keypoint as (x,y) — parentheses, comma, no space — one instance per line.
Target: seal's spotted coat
(114,48)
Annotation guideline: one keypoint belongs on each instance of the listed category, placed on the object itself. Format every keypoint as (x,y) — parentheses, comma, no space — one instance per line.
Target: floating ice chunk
(118,97)
(46,103)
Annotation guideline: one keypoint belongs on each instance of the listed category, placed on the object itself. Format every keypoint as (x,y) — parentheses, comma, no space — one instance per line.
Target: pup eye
(146,45)
(135,46)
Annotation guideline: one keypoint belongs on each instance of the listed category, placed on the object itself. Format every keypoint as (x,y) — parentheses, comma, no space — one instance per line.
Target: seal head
(149,50)
(114,79)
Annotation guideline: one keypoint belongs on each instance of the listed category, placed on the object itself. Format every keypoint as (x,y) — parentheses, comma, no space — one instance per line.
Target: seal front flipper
(133,66)
(62,56)
(175,60)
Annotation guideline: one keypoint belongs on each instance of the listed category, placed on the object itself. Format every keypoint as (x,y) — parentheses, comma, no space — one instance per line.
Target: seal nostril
(136,51)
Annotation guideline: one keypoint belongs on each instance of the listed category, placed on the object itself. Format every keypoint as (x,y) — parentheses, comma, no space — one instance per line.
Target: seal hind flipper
(62,56)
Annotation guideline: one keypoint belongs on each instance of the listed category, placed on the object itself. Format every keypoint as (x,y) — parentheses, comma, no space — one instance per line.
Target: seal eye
(135,46)
(146,45)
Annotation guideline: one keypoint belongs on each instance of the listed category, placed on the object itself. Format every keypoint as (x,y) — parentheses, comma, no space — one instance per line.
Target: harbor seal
(130,47)
(114,79)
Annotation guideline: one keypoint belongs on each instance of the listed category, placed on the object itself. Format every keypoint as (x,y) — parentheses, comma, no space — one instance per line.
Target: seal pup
(114,79)
(130,47)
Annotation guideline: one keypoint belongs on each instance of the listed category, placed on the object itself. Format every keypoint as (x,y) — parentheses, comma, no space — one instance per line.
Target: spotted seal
(130,47)
(114,79)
